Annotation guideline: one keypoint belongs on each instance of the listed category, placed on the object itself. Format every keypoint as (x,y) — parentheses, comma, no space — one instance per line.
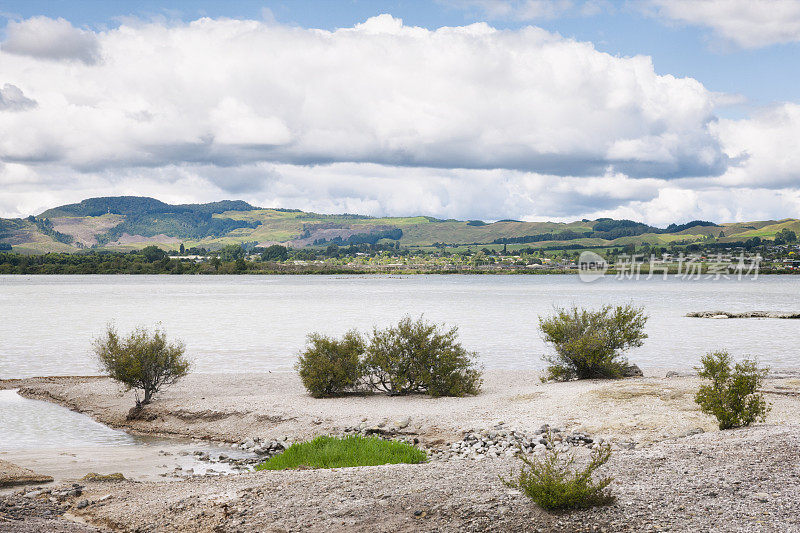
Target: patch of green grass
(336,452)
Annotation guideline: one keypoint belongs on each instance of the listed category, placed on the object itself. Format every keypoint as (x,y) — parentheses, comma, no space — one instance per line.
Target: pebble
(502,442)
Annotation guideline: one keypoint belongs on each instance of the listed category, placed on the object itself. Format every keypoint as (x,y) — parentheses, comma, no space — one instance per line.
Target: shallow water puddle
(53,440)
(29,424)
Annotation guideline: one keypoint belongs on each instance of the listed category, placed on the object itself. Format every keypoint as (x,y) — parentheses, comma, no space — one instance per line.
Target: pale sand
(739,480)
(233,407)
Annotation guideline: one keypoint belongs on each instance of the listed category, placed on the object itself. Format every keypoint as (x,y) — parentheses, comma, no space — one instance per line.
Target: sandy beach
(674,470)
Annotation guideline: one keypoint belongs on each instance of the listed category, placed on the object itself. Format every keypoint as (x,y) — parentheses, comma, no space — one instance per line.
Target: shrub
(340,452)
(330,367)
(732,396)
(141,361)
(589,344)
(553,481)
(419,356)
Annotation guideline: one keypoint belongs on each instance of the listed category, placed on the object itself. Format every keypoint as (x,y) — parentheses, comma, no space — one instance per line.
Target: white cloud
(232,91)
(364,188)
(746,23)
(54,39)
(386,190)
(12,99)
(383,119)
(766,146)
(717,204)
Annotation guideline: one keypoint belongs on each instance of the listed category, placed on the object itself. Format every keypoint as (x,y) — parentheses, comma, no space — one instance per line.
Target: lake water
(259,323)
(51,439)
(26,424)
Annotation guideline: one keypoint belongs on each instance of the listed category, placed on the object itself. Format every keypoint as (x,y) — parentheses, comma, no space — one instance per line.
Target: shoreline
(272,405)
(413,272)
(657,433)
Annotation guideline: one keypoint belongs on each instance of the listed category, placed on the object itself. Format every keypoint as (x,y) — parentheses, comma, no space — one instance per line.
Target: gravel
(674,471)
(738,480)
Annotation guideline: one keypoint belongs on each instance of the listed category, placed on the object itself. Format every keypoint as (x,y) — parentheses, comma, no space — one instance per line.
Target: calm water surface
(259,323)
(26,424)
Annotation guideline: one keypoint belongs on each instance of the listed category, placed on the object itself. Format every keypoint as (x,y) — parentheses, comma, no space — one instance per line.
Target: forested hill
(139,205)
(130,222)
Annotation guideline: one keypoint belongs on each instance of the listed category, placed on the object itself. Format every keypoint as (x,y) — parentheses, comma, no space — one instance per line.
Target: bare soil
(667,477)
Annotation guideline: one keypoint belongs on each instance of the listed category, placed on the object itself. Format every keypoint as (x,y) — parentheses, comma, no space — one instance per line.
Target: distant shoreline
(407,272)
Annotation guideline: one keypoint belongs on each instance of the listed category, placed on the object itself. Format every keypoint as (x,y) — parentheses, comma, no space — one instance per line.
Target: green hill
(131,222)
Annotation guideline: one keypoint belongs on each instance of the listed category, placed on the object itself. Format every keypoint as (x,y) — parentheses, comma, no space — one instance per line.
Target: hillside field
(129,223)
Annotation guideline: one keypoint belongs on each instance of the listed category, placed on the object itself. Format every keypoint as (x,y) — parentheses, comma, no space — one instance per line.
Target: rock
(140,413)
(672,374)
(82,504)
(94,476)
(402,423)
(11,474)
(632,371)
(763,497)
(694,431)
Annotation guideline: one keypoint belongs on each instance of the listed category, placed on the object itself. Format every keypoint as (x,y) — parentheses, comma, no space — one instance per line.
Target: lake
(259,323)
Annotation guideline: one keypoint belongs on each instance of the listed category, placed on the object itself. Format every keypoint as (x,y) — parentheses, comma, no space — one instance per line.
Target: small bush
(335,452)
(553,482)
(331,367)
(419,356)
(141,361)
(589,344)
(732,396)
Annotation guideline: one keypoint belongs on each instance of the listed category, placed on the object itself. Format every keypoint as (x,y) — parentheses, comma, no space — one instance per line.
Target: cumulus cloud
(717,204)
(238,91)
(766,147)
(395,191)
(364,188)
(382,119)
(12,99)
(746,23)
(54,39)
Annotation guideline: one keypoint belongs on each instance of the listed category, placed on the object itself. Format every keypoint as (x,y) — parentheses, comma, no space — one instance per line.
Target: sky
(655,110)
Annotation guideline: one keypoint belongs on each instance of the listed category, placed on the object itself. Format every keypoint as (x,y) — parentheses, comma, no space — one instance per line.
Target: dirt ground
(234,407)
(668,476)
